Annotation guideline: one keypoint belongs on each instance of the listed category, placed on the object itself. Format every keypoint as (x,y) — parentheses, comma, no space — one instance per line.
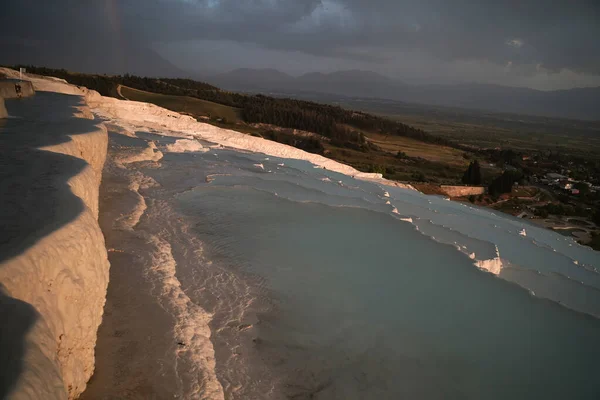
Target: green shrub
(378,169)
(472,175)
(418,176)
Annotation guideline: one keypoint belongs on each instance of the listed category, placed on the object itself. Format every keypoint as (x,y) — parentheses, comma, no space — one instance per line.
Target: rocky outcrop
(53,261)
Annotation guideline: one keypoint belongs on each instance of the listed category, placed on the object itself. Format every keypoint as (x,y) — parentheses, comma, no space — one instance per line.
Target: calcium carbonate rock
(53,261)
(54,281)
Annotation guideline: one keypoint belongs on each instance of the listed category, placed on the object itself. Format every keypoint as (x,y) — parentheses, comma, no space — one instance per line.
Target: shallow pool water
(321,286)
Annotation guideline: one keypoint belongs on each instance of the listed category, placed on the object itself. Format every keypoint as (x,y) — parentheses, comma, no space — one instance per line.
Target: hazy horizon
(424,81)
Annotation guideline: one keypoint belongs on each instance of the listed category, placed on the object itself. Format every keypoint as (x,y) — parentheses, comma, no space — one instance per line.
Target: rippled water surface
(325,287)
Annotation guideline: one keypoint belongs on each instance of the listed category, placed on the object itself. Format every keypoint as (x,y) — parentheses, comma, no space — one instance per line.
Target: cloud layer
(529,36)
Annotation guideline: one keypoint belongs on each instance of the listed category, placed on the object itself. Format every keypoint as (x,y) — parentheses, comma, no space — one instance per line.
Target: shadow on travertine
(17,319)
(35,200)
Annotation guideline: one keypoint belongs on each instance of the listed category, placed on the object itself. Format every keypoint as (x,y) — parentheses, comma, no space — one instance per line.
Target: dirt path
(120,93)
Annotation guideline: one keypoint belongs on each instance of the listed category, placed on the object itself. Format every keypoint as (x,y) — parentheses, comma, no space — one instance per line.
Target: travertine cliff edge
(53,261)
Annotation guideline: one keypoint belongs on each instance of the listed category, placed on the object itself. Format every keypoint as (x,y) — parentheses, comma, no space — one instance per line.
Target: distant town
(559,192)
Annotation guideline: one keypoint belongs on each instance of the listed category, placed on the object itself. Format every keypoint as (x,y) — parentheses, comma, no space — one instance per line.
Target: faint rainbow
(113,17)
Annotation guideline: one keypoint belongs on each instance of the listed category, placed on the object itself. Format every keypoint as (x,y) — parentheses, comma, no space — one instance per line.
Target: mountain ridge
(576,103)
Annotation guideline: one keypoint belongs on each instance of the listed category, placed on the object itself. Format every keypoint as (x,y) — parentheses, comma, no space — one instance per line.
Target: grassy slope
(440,163)
(528,137)
(183,104)
(414,148)
(484,129)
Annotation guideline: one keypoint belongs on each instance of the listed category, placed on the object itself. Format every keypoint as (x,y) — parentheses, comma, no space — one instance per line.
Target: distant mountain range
(120,58)
(581,103)
(347,83)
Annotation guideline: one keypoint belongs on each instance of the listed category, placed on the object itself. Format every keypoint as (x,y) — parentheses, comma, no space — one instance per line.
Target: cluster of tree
(289,114)
(342,126)
(561,209)
(504,156)
(504,183)
(373,123)
(472,175)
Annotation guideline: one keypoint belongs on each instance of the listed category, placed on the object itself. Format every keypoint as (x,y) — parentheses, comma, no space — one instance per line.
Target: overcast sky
(545,44)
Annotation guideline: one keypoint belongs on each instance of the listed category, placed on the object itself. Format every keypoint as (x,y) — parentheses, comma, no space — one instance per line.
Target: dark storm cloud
(553,34)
